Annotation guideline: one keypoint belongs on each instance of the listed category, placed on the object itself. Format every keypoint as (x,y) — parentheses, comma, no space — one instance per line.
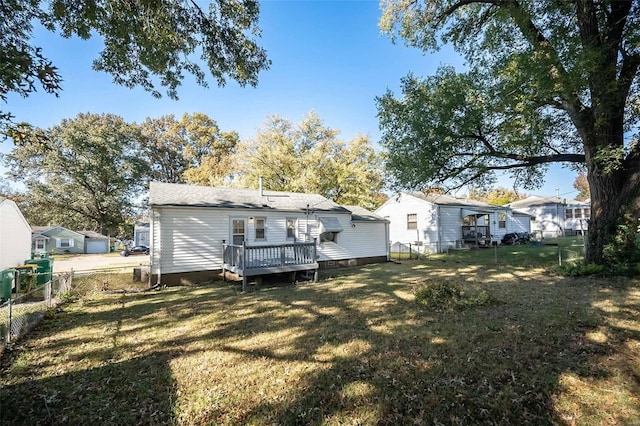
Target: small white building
(15,235)
(436,222)
(141,234)
(554,216)
(197,231)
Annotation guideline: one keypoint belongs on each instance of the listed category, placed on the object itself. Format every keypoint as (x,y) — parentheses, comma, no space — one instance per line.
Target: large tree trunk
(613,182)
(606,202)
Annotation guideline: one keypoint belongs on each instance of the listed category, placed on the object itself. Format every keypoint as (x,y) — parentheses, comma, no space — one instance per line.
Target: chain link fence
(21,313)
(568,251)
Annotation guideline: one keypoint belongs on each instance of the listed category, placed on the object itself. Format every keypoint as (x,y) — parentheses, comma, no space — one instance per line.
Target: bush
(581,270)
(445,295)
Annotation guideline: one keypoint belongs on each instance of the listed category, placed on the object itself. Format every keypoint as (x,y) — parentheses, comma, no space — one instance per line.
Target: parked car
(135,250)
(516,238)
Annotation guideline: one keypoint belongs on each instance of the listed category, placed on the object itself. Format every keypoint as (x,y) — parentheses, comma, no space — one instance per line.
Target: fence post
(495,250)
(559,256)
(8,340)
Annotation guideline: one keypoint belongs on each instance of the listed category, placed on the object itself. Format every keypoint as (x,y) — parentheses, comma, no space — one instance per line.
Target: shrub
(579,269)
(440,294)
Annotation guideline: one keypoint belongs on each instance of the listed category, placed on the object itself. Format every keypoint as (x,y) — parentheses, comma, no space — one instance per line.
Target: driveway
(88,262)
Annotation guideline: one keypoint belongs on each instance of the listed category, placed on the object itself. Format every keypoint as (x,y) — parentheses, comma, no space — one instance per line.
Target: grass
(354,348)
(564,249)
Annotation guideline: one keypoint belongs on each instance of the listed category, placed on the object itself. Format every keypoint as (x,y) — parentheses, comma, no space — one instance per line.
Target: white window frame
(60,243)
(39,242)
(502,220)
(412,224)
(263,229)
(293,229)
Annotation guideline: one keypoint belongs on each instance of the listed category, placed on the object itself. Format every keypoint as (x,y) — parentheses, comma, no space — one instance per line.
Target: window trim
(502,220)
(263,229)
(292,229)
(412,225)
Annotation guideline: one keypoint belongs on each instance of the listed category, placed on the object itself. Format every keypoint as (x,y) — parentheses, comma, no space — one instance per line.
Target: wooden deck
(248,261)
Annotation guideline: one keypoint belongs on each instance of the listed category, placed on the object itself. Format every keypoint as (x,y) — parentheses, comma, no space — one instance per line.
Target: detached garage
(94,242)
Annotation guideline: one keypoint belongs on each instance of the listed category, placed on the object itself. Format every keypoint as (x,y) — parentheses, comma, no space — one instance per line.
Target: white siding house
(190,224)
(15,235)
(554,216)
(436,223)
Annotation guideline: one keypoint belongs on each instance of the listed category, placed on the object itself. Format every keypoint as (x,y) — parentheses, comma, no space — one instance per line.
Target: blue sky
(327,56)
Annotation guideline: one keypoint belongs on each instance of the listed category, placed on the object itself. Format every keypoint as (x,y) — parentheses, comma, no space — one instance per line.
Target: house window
(578,214)
(412,221)
(291,228)
(587,213)
(261,228)
(40,244)
(329,236)
(65,242)
(569,214)
(502,220)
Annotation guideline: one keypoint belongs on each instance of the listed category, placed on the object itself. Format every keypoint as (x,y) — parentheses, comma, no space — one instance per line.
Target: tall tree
(87,176)
(308,157)
(498,196)
(549,81)
(146,43)
(582,185)
(192,149)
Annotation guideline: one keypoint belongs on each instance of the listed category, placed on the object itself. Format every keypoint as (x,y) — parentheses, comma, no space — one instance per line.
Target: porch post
(224,254)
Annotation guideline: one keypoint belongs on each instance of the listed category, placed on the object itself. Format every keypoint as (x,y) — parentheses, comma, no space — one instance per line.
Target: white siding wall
(366,239)
(15,236)
(450,226)
(549,219)
(190,239)
(396,210)
(520,223)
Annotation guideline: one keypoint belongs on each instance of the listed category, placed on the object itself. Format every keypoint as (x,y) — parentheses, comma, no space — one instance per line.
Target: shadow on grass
(137,391)
(352,349)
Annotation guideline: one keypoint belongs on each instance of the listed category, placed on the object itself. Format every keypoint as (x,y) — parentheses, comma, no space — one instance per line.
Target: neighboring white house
(141,234)
(438,222)
(190,224)
(577,215)
(555,217)
(15,235)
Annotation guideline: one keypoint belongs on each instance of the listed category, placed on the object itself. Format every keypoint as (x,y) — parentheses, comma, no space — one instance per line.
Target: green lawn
(354,348)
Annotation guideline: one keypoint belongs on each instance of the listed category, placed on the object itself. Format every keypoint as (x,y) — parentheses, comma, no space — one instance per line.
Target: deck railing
(476,233)
(242,258)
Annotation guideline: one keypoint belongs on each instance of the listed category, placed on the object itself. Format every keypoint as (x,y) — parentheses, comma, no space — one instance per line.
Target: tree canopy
(309,157)
(86,177)
(191,150)
(498,196)
(581,184)
(151,44)
(548,81)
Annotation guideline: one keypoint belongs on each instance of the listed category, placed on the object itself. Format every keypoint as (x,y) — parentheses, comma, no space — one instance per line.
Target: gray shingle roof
(93,234)
(535,200)
(448,200)
(173,194)
(360,214)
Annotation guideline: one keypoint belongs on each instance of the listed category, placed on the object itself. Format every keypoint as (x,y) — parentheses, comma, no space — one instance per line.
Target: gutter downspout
(439,229)
(155,215)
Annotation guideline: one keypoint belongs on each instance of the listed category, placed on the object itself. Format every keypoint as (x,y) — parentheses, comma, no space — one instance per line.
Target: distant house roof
(535,200)
(179,195)
(93,234)
(360,214)
(448,200)
(41,231)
